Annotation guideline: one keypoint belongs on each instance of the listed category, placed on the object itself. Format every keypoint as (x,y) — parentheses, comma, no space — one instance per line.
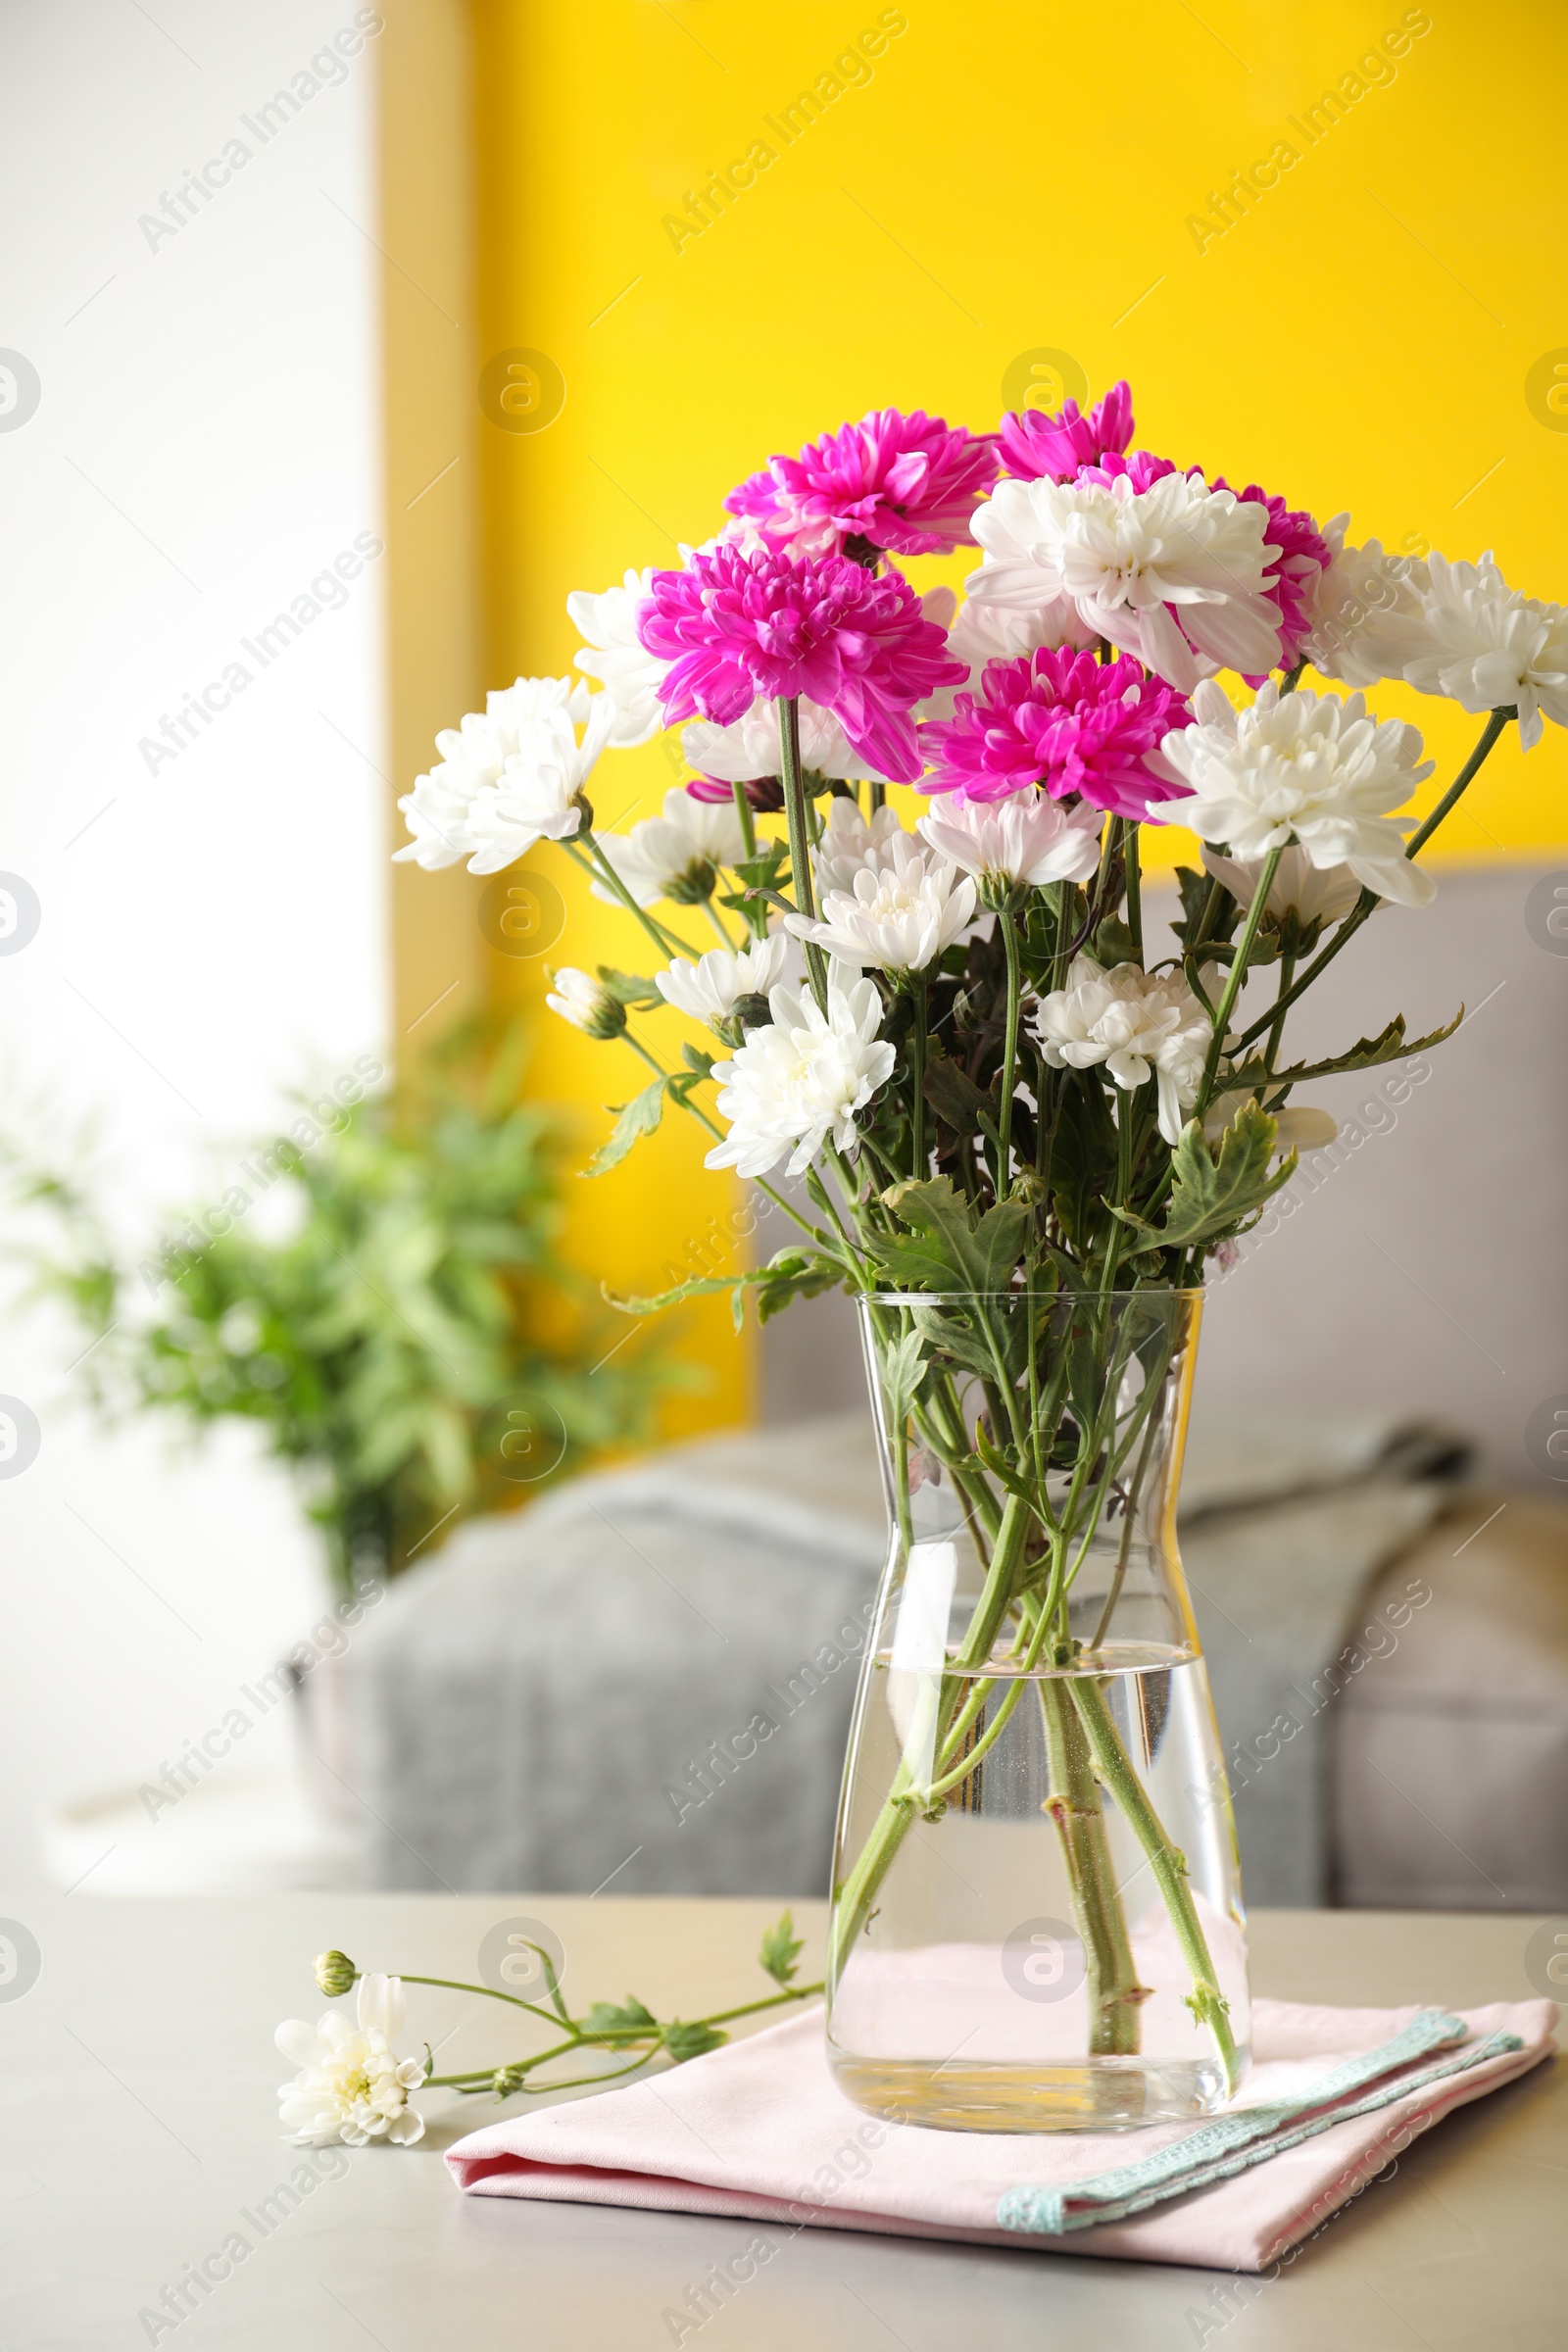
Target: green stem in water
(1114,1769)
(854,1900)
(794,780)
(1115,1997)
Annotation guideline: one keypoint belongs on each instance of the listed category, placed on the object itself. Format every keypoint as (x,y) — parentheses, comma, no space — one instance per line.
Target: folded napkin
(760,2130)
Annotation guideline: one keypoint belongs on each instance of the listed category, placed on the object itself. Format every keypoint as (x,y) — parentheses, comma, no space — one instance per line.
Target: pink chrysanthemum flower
(908,484)
(1066,723)
(1304,554)
(1039,448)
(733,626)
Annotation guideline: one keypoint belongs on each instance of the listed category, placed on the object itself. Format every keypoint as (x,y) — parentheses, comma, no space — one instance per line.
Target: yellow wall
(996,181)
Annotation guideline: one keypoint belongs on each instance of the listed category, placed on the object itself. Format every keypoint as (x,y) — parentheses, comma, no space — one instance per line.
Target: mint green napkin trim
(1249,2135)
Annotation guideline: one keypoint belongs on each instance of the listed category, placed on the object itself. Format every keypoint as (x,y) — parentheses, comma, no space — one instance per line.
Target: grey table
(138,2079)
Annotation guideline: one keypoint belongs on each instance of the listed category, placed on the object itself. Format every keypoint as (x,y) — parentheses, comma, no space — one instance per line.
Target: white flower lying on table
(351,2086)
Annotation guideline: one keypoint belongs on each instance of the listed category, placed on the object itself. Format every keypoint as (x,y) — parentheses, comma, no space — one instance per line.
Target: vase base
(1099,2094)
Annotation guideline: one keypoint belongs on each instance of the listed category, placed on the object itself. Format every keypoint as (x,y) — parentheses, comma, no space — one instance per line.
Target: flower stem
(918,1167)
(1114,1769)
(1135,899)
(1010,1052)
(789,742)
(1234,978)
(1496,721)
(664,941)
(855,1899)
(745,820)
(1115,1995)
(717,921)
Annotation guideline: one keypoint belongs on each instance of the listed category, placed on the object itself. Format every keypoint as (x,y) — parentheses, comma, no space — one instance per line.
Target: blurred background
(339,345)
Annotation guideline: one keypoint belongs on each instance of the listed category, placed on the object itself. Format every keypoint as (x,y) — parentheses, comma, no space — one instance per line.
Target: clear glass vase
(1037,1914)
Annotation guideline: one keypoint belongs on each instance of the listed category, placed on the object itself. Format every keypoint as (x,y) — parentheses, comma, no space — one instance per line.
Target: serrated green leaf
(1214,1194)
(640,1116)
(629,988)
(629,2017)
(781,1950)
(1002,1470)
(791,1273)
(903,1370)
(697,1061)
(1367,1054)
(956,1100)
(967,1254)
(691,2042)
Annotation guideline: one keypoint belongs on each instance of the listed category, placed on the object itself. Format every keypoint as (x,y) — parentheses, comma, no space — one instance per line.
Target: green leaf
(699,1062)
(903,1368)
(964,1253)
(949,1335)
(1214,1195)
(631,988)
(781,1950)
(1113,944)
(1004,1472)
(629,2018)
(691,2042)
(1367,1054)
(1083,1157)
(640,1118)
(956,1100)
(792,1273)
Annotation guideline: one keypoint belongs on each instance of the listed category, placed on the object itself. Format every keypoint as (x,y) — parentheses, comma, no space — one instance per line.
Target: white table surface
(138,2081)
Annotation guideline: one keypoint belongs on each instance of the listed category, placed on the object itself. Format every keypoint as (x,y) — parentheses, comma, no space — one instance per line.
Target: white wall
(212,923)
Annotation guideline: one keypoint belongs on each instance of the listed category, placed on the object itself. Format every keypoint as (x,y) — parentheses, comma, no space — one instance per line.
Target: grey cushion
(644,1681)
(1451,1779)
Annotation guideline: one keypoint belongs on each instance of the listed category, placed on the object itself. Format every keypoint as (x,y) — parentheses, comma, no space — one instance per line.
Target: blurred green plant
(404,1332)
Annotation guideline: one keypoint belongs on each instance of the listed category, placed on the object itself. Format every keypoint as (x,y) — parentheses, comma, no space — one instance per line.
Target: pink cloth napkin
(760,2130)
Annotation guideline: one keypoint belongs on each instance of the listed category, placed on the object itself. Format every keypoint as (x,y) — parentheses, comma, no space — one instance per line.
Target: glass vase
(1037,1915)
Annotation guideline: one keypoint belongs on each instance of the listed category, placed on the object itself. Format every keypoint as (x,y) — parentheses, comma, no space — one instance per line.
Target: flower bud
(335,1972)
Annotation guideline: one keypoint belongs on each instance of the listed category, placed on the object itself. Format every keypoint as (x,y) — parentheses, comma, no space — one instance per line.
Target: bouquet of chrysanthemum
(1022,1129)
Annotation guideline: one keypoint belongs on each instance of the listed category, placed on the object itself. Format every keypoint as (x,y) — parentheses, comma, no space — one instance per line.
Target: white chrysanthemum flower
(674,856)
(1130,561)
(1137,1024)
(802,1079)
(899,918)
(748,748)
(351,2086)
(630,675)
(1313,894)
(849,842)
(710,988)
(1490,647)
(1304,767)
(1026,838)
(585,1003)
(1363,612)
(509,776)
